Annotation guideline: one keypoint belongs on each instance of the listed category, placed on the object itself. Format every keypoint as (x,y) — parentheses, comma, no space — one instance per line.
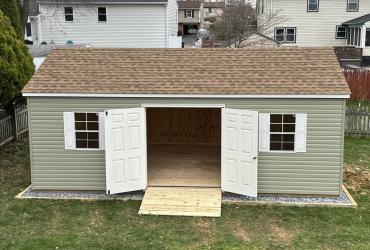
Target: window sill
(86,149)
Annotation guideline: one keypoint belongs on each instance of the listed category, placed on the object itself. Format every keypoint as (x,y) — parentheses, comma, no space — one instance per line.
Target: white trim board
(185,96)
(179,105)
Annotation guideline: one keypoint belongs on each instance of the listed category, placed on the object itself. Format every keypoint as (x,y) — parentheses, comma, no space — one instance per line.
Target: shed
(251,121)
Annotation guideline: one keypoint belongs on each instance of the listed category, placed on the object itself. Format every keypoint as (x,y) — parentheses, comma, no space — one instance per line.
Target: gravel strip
(343,199)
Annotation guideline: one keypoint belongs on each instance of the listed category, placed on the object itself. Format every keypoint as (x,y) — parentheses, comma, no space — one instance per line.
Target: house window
(68,14)
(28,29)
(286,35)
(87,130)
(367,39)
(282,132)
(209,10)
(312,5)
(102,14)
(189,13)
(341,32)
(352,5)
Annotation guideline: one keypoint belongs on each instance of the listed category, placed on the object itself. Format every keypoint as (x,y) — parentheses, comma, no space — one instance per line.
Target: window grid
(68,14)
(286,35)
(189,13)
(87,130)
(312,5)
(341,32)
(102,14)
(352,5)
(283,138)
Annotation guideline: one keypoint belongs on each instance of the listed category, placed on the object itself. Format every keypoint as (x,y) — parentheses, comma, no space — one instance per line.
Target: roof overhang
(287,96)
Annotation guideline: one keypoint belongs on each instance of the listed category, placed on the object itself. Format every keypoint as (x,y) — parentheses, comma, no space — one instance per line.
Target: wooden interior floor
(182,165)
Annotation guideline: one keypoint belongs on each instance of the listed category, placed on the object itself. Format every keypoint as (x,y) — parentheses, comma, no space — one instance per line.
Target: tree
(10,9)
(238,19)
(16,66)
(23,7)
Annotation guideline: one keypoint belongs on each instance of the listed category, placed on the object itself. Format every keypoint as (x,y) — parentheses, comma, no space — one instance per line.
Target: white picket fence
(13,123)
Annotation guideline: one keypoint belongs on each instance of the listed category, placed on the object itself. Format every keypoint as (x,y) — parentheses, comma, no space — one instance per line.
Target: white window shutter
(101,130)
(69,130)
(264,132)
(300,132)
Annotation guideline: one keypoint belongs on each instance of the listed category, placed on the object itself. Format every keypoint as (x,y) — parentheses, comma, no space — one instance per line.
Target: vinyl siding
(313,28)
(127,26)
(318,171)
(172,17)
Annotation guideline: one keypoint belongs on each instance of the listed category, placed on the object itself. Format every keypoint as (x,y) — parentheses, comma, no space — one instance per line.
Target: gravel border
(344,200)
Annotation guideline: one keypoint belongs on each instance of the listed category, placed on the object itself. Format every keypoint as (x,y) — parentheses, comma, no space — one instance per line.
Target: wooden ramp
(182,201)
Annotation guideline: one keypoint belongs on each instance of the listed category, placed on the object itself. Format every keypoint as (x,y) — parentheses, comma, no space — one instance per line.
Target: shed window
(87,130)
(68,14)
(189,13)
(352,5)
(312,5)
(341,32)
(102,14)
(282,132)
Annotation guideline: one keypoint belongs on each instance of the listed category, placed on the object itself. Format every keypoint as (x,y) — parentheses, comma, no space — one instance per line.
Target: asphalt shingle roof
(189,4)
(190,71)
(358,20)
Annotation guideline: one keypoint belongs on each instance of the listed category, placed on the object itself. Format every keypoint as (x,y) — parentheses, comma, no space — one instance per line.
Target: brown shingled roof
(190,71)
(189,4)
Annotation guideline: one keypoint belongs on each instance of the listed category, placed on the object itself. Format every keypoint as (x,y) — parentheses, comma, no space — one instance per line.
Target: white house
(312,23)
(107,23)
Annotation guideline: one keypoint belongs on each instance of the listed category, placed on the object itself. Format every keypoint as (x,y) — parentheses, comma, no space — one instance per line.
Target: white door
(239,151)
(125,150)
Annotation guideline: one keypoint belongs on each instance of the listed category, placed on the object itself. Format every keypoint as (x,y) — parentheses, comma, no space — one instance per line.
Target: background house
(190,16)
(309,23)
(100,23)
(212,11)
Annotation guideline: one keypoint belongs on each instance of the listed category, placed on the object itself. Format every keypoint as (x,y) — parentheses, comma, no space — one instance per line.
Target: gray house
(244,125)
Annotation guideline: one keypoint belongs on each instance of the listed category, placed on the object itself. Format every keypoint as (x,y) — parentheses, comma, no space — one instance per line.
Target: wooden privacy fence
(359,82)
(13,123)
(357,121)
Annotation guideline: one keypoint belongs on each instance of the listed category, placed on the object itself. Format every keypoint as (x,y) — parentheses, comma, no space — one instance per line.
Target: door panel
(125,150)
(239,151)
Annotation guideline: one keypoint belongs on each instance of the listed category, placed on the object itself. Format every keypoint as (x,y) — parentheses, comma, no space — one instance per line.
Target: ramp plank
(182,201)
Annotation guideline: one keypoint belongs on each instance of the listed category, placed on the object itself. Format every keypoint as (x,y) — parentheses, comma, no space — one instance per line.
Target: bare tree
(239,18)
(23,7)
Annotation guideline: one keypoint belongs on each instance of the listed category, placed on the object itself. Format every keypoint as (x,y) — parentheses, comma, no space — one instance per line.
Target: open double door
(126,150)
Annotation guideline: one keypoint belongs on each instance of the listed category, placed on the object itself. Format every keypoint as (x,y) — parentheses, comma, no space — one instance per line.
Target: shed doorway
(184,147)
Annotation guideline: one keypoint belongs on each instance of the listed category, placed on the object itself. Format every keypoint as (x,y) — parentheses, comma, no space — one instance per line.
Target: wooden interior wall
(184,126)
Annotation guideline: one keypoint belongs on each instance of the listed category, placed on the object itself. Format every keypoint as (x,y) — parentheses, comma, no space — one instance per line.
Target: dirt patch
(280,233)
(204,227)
(241,233)
(356,179)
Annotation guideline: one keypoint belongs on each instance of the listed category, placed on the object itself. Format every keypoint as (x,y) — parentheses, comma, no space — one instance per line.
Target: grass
(57,224)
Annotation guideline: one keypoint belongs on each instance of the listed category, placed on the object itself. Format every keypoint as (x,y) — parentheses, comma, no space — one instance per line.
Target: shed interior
(184,147)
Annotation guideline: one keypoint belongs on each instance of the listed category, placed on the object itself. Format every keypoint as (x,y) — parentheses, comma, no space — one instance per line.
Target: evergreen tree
(16,66)
(10,9)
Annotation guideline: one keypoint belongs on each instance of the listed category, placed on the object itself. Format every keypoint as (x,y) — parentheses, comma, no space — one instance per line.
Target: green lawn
(48,224)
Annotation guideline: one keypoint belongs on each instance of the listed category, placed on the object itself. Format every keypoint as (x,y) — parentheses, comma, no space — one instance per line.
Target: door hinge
(108,191)
(106,112)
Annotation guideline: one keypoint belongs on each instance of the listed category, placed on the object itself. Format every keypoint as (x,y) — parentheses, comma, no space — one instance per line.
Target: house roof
(33,8)
(257,71)
(359,20)
(101,1)
(214,4)
(189,4)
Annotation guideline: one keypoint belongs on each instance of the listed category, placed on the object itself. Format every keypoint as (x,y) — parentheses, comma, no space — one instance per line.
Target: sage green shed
(240,120)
